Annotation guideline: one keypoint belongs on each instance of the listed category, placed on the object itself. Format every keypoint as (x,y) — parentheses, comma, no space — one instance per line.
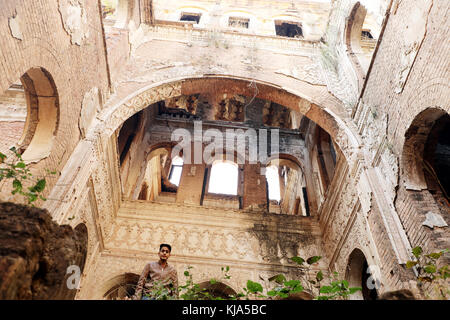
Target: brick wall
(32,34)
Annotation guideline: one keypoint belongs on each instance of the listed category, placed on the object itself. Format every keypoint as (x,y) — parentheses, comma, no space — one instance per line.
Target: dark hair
(165,245)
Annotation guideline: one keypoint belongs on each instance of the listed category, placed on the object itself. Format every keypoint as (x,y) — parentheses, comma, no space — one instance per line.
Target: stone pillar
(191,182)
(255,191)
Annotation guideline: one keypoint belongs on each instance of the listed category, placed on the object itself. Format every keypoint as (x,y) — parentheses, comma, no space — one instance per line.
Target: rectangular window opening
(366,35)
(236,22)
(195,17)
(175,174)
(288,29)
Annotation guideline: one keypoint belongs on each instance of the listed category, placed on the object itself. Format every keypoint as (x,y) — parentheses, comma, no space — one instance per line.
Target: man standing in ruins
(158,275)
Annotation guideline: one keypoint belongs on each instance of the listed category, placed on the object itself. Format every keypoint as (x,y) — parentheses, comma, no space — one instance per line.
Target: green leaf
(272,293)
(325,289)
(17,185)
(2,156)
(279,278)
(40,185)
(411,264)
(254,287)
(292,283)
(20,165)
(434,255)
(32,197)
(313,260)
(213,281)
(298,260)
(319,276)
(186,273)
(283,295)
(322,298)
(297,289)
(431,268)
(345,284)
(417,251)
(354,290)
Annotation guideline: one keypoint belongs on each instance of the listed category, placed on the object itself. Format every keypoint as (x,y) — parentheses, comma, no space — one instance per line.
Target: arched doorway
(358,275)
(218,290)
(122,287)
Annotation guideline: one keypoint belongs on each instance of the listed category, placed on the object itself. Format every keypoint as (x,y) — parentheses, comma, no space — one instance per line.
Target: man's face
(164,253)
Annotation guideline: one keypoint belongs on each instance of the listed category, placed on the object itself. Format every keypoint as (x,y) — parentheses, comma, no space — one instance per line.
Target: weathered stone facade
(360,99)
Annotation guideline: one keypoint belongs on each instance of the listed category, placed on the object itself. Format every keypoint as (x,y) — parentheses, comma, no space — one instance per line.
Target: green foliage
(283,288)
(21,176)
(337,289)
(193,291)
(298,260)
(160,291)
(429,271)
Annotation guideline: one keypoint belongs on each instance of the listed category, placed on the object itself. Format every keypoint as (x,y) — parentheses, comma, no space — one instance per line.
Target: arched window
(286,188)
(436,158)
(29,112)
(326,157)
(289,29)
(175,170)
(126,136)
(362,31)
(224,178)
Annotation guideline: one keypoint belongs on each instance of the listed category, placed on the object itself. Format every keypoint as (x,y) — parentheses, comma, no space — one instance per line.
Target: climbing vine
(18,172)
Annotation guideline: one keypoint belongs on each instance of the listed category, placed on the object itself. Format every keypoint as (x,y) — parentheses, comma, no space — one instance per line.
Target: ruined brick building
(358,90)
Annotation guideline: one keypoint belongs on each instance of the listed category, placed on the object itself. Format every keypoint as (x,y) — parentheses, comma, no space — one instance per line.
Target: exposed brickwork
(10,133)
(75,69)
(426,87)
(365,199)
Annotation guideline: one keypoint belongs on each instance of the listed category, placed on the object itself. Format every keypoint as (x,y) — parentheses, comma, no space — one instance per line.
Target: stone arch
(360,43)
(412,162)
(218,289)
(146,96)
(357,275)
(297,199)
(326,156)
(288,159)
(41,124)
(304,295)
(154,185)
(120,287)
